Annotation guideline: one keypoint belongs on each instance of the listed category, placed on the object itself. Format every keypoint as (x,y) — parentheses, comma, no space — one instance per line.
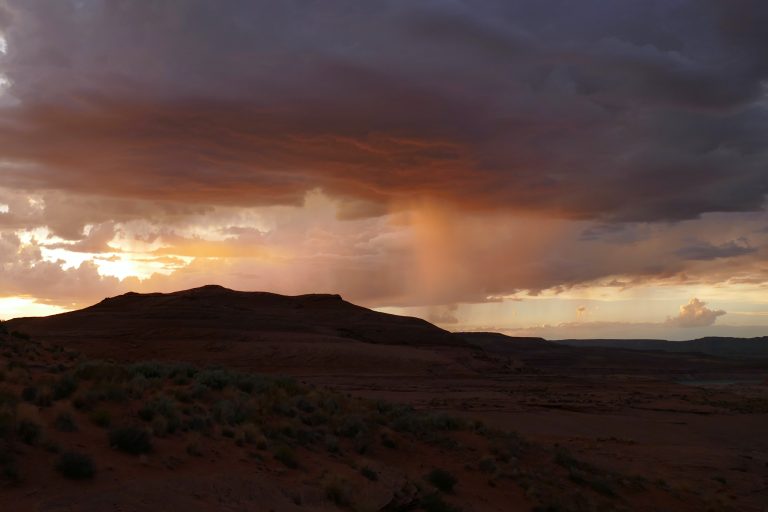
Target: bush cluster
(130,439)
(76,466)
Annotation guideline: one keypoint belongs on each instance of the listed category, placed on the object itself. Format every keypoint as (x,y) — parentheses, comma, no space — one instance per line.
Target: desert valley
(213,399)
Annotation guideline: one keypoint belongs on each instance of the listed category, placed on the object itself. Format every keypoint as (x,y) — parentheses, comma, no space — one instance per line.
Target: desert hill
(589,357)
(322,333)
(236,315)
(739,348)
(255,330)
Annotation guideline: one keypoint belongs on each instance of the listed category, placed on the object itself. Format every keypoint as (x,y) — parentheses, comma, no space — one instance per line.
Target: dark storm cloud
(617,111)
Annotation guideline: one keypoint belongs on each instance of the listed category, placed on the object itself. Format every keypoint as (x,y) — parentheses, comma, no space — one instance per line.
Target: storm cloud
(403,153)
(639,111)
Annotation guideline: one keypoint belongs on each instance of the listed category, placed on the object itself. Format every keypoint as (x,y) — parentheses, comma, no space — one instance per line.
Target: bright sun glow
(14,307)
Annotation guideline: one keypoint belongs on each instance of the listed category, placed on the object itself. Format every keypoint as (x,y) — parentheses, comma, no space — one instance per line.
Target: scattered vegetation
(274,421)
(442,480)
(101,417)
(28,431)
(586,474)
(369,473)
(287,456)
(76,466)
(130,439)
(337,491)
(435,503)
(64,422)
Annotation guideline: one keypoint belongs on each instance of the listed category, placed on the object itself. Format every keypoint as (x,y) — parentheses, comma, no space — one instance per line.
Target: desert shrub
(64,387)
(194,450)
(44,399)
(369,473)
(479,427)
(147,412)
(314,419)
(388,442)
(506,446)
(198,423)
(253,435)
(101,371)
(232,412)
(281,405)
(565,459)
(198,392)
(29,393)
(597,483)
(303,404)
(330,405)
(250,432)
(442,479)
(138,385)
(76,466)
(8,398)
(287,456)
(149,369)
(585,474)
(162,407)
(215,378)
(487,465)
(288,384)
(109,392)
(181,372)
(81,403)
(9,471)
(363,443)
(51,446)
(7,414)
(160,426)
(435,503)
(306,437)
(28,431)
(337,492)
(130,439)
(351,426)
(332,444)
(101,417)
(64,422)
(254,384)
(184,396)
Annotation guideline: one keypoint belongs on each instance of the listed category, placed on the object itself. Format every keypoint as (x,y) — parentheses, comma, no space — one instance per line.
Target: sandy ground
(619,409)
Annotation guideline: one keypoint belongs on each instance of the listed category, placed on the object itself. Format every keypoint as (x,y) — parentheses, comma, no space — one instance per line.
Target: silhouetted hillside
(714,346)
(234,315)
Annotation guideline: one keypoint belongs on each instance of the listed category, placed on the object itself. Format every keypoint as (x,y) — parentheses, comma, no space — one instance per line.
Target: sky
(551,168)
